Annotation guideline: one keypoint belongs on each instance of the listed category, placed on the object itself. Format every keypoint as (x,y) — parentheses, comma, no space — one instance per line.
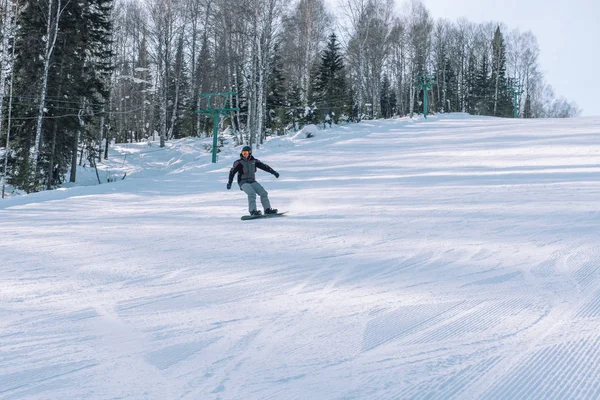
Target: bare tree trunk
(264,54)
(178,69)
(411,104)
(252,82)
(106,144)
(496,85)
(199,118)
(7,148)
(194,16)
(163,15)
(153,107)
(236,85)
(174,113)
(6,33)
(260,96)
(144,65)
(51,36)
(101,136)
(108,128)
(441,89)
(75,145)
(308,23)
(361,73)
(196,75)
(163,110)
(237,105)
(50,169)
(80,163)
(232,85)
(401,96)
(49,178)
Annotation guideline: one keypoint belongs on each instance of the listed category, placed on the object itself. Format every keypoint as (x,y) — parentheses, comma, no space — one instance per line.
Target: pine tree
(527,107)
(446,84)
(393,103)
(482,89)
(276,93)
(76,90)
(451,88)
(502,106)
(330,88)
(143,86)
(294,105)
(352,106)
(93,49)
(204,66)
(313,112)
(470,85)
(181,124)
(387,98)
(27,85)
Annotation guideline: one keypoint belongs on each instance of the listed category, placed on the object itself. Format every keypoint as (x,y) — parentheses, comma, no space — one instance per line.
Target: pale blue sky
(568,34)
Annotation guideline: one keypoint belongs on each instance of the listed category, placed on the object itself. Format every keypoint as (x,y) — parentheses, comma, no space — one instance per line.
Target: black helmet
(246,148)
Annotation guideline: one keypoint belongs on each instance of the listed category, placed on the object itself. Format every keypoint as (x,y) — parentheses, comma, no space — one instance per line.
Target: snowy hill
(457,257)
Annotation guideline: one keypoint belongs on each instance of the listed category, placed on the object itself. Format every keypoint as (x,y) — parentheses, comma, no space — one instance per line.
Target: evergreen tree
(204,66)
(353,106)
(276,93)
(482,88)
(294,105)
(470,85)
(330,88)
(527,107)
(76,90)
(446,85)
(451,88)
(393,103)
(387,98)
(502,105)
(94,47)
(179,91)
(313,113)
(26,88)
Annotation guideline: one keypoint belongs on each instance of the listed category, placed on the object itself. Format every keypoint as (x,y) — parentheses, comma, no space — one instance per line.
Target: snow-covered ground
(457,257)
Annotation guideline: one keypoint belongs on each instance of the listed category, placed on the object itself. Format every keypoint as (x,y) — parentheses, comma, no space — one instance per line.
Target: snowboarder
(246,167)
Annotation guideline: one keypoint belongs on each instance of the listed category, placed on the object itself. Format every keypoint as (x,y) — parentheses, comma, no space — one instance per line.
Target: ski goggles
(245,152)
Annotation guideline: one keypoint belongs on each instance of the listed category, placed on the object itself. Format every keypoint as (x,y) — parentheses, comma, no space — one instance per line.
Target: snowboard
(247,217)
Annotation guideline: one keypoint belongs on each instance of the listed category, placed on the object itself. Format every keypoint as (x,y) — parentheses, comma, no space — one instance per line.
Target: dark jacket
(246,170)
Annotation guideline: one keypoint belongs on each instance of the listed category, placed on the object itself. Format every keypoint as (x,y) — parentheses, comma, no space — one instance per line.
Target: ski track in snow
(452,258)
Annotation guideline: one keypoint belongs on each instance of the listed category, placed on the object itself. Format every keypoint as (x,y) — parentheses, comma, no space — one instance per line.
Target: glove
(276,174)
(229,186)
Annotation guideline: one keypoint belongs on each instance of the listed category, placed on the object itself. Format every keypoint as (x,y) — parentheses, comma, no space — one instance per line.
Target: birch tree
(5,61)
(7,65)
(165,26)
(522,60)
(262,30)
(398,59)
(55,9)
(371,26)
(179,87)
(304,34)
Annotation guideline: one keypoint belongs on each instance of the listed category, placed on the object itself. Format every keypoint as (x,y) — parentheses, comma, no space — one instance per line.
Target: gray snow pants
(252,189)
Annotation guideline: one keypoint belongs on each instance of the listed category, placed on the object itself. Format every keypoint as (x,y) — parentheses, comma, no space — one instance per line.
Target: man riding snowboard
(246,167)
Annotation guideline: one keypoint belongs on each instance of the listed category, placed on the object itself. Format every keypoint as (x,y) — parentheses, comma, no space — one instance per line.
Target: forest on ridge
(79,74)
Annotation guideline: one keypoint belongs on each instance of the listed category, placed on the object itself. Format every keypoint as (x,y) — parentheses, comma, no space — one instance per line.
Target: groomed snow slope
(457,257)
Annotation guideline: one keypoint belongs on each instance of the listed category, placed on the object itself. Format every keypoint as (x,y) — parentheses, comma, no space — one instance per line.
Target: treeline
(78,74)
